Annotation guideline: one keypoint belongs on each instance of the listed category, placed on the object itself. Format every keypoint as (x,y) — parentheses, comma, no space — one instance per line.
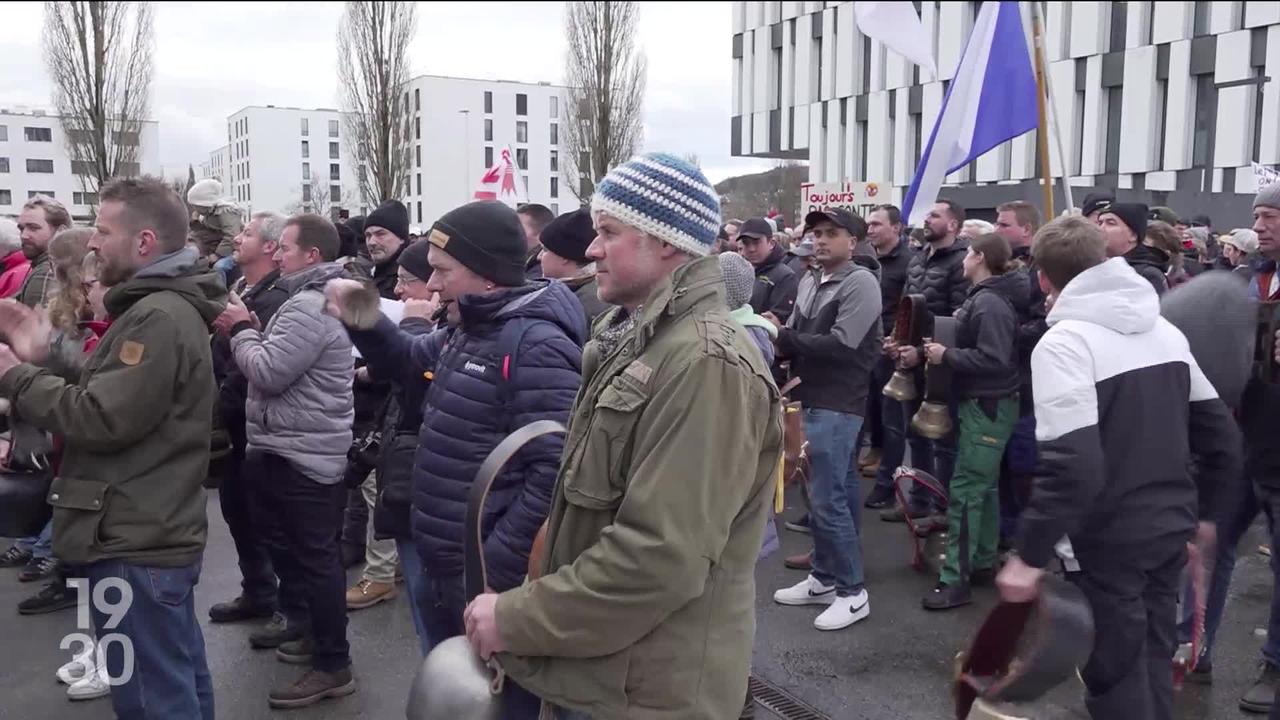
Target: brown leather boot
(312,687)
(803,561)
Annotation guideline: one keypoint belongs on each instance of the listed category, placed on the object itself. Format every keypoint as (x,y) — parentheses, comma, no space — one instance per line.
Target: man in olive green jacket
(129,508)
(646,607)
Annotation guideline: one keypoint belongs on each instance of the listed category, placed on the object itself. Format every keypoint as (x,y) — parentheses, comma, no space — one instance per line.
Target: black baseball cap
(856,226)
(755,227)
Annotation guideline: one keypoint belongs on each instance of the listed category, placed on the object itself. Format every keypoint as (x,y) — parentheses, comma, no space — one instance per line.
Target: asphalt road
(896,664)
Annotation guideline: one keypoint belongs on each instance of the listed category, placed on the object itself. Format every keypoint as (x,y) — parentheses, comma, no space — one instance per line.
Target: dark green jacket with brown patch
(136,425)
(647,606)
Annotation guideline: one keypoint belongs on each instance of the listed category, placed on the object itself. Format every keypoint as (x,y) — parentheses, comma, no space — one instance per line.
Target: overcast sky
(214,58)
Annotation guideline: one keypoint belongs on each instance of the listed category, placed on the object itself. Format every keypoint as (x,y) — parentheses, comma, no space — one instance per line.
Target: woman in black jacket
(985,366)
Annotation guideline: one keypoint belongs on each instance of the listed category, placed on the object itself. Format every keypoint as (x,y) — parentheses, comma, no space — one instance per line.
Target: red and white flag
(500,183)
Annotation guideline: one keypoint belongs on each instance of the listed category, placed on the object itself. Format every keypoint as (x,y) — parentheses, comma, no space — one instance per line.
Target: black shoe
(53,597)
(295,652)
(880,498)
(15,557)
(38,569)
(1262,695)
(945,597)
(982,577)
(351,555)
(276,633)
(930,525)
(239,610)
(899,515)
(1202,675)
(801,526)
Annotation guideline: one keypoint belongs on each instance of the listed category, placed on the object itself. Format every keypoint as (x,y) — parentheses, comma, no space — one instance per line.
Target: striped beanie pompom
(665,197)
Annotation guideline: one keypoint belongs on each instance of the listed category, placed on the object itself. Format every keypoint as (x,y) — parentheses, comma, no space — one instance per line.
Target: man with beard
(41,218)
(386,231)
(129,505)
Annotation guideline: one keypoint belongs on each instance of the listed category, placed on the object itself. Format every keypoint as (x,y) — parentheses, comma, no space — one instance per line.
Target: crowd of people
(348,379)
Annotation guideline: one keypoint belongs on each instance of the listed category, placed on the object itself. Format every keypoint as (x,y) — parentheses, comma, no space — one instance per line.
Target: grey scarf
(611,337)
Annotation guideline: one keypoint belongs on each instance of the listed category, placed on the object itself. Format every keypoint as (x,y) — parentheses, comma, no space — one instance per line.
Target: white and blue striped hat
(665,197)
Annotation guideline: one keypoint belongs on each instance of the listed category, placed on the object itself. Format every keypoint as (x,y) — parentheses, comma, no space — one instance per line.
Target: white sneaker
(844,611)
(806,592)
(90,687)
(79,666)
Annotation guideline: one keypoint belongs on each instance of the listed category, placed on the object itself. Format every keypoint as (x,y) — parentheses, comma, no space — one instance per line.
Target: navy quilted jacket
(463,420)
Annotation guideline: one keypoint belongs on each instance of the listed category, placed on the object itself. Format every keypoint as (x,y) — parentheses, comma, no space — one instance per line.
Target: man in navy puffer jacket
(480,391)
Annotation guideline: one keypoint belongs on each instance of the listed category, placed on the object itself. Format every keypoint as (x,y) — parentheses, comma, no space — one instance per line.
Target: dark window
(1115,99)
(1162,100)
(1119,20)
(417,128)
(417,156)
(38,134)
(6,197)
(522,158)
(1206,104)
(488,101)
(39,166)
(419,203)
(488,130)
(333,128)
(306,192)
(4,133)
(555,107)
(1201,24)
(128,139)
(306,128)
(555,208)
(4,164)
(555,134)
(335,171)
(522,131)
(335,193)
(306,149)
(555,161)
(333,151)
(417,99)
(46,193)
(555,187)
(81,167)
(306,171)
(522,104)
(488,158)
(1256,148)
(84,198)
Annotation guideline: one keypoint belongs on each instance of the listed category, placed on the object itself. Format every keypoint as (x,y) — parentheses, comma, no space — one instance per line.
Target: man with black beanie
(510,354)
(1124,225)
(564,258)
(386,231)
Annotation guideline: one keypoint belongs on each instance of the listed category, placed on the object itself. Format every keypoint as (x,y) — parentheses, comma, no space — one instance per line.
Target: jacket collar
(775,257)
(838,275)
(694,285)
(893,254)
(391,265)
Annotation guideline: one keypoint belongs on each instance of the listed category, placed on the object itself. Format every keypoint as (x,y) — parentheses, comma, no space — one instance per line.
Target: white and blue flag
(992,99)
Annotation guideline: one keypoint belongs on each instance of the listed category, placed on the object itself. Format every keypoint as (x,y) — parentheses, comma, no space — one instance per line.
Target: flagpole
(1057,123)
(1042,131)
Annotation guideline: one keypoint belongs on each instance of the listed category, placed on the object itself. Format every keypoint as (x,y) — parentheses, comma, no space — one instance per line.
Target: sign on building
(858,197)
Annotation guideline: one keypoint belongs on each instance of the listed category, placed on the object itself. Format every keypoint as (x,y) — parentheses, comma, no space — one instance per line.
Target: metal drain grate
(782,703)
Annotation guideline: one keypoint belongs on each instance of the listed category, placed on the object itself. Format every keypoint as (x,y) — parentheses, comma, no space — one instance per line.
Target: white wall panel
(851,162)
(744,136)
(1138,152)
(817,145)
(898,71)
(834,168)
(1093,132)
(788,88)
(878,53)
(748,101)
(1022,156)
(1165,181)
(1137,20)
(760,132)
(772,12)
(878,137)
(929,19)
(805,61)
(1233,137)
(827,81)
(762,98)
(951,42)
(903,163)
(800,132)
(791,9)
(1057,29)
(1224,17)
(738,10)
(1172,21)
(1269,150)
(1179,108)
(990,166)
(1090,27)
(930,106)
(1257,14)
(735,103)
(813,7)
(846,35)
(755,15)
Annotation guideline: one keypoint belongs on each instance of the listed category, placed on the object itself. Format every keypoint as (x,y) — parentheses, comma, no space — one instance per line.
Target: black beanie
(414,259)
(1132,214)
(391,215)
(569,236)
(486,237)
(1094,201)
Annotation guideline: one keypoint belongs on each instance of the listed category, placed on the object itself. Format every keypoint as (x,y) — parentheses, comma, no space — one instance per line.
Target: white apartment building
(1166,103)
(460,127)
(288,160)
(35,159)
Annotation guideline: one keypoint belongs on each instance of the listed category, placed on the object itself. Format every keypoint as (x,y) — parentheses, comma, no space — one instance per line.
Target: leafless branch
(606,75)
(99,55)
(373,75)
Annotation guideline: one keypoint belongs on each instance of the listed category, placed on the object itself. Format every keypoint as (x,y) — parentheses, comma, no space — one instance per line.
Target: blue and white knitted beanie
(665,197)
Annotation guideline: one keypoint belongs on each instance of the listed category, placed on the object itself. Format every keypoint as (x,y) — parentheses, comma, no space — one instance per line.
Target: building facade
(288,160)
(460,127)
(35,159)
(1166,103)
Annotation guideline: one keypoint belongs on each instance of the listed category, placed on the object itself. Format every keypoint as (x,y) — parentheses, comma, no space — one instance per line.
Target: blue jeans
(170,677)
(1230,530)
(833,494)
(41,546)
(415,583)
(936,457)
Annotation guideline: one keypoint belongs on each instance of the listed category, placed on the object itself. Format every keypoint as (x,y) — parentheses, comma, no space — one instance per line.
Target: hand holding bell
(909,357)
(934,352)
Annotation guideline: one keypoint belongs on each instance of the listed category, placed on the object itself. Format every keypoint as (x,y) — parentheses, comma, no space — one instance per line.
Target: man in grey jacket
(300,412)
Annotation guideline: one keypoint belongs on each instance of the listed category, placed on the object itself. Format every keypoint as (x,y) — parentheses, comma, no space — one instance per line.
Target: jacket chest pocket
(598,479)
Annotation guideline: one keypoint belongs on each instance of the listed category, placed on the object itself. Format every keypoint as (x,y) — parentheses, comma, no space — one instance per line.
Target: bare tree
(99,56)
(606,75)
(373,75)
(316,196)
